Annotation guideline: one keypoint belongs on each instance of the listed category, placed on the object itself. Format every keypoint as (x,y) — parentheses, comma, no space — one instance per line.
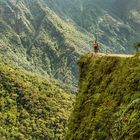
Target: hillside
(108,103)
(34,37)
(48,36)
(40,44)
(31,107)
(116,23)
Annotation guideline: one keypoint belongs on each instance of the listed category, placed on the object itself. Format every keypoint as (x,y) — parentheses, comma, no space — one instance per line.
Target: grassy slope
(108,103)
(31,107)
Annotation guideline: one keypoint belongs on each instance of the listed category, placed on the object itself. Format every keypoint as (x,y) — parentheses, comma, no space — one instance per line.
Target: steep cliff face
(108,103)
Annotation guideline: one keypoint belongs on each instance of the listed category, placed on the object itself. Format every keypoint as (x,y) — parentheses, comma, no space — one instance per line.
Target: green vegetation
(36,38)
(31,107)
(137,46)
(40,43)
(108,103)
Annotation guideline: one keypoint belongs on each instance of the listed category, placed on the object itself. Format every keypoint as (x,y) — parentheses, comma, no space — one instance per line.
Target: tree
(136,46)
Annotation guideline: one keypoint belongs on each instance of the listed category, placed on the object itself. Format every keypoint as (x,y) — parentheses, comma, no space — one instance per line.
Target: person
(96,46)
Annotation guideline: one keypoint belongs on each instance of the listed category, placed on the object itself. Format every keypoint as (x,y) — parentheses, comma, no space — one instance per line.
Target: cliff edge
(108,103)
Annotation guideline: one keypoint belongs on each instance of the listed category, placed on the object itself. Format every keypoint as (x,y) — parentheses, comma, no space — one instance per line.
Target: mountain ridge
(39,39)
(35,34)
(109,21)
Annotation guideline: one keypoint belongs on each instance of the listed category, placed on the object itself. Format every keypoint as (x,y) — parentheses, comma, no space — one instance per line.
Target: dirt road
(112,55)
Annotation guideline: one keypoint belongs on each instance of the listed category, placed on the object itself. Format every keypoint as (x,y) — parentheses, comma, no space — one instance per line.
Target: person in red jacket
(96,46)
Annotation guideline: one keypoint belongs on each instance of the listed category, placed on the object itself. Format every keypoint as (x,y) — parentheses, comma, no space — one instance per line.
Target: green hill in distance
(108,103)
